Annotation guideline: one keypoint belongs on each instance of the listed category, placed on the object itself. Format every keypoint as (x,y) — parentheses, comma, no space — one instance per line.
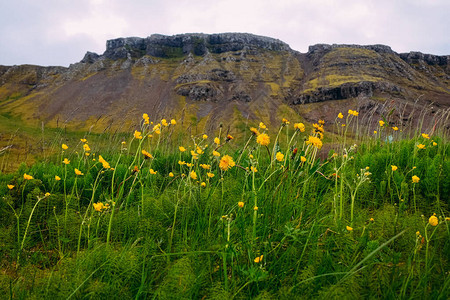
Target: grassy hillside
(249,213)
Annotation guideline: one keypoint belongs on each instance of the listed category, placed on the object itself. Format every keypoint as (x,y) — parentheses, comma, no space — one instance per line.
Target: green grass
(344,226)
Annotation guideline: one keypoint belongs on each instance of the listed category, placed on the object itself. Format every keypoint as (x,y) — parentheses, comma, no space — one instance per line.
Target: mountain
(230,78)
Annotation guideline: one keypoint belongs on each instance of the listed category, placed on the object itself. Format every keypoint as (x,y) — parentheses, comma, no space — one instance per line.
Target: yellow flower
(210,175)
(204,136)
(417,233)
(349,228)
(421,146)
(315,141)
(395,128)
(86,147)
(300,126)
(350,112)
(229,137)
(171,174)
(145,116)
(279,156)
(258,259)
(193,175)
(285,121)
(153,172)
(199,150)
(83,140)
(78,172)
(203,184)
(263,139)
(10,186)
(173,122)
(241,204)
(433,220)
(254,130)
(181,162)
(302,158)
(226,162)
(64,146)
(217,141)
(103,162)
(57,178)
(340,115)
(355,113)
(146,154)
(371,220)
(425,136)
(182,149)
(254,170)
(98,206)
(205,166)
(394,168)
(87,154)
(255,208)
(381,122)
(262,126)
(374,132)
(415,179)
(124,143)
(215,153)
(137,135)
(27,177)
(434,144)
(164,122)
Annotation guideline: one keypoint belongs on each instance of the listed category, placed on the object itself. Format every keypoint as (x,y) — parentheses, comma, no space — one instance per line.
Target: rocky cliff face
(211,78)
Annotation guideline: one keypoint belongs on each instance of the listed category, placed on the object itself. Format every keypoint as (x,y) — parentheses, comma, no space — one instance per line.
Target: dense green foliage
(357,224)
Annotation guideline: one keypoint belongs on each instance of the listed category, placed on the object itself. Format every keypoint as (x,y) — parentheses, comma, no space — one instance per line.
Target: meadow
(161,214)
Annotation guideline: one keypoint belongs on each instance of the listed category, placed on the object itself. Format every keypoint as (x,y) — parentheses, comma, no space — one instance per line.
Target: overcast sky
(60,32)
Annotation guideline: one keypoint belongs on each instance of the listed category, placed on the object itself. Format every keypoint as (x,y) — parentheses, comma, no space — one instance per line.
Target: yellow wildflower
(258,259)
(340,116)
(210,175)
(255,208)
(374,132)
(229,137)
(434,144)
(86,147)
(253,169)
(66,161)
(204,136)
(263,139)
(421,146)
(173,122)
(164,122)
(394,168)
(315,141)
(203,184)
(395,128)
(349,228)
(215,153)
(153,172)
(78,172)
(205,166)
(98,206)
(262,126)
(171,174)
(254,130)
(217,141)
(146,154)
(433,220)
(226,162)
(241,204)
(47,194)
(415,179)
(182,149)
(64,146)
(381,122)
(103,162)
(285,121)
(279,156)
(193,175)
(371,220)
(425,136)
(10,186)
(27,177)
(57,178)
(137,135)
(302,158)
(300,126)
(181,162)
(199,150)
